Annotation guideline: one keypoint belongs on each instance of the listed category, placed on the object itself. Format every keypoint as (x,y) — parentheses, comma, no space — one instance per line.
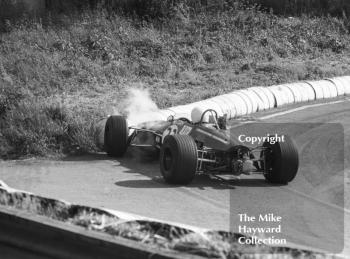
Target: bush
(313,7)
(10,96)
(39,128)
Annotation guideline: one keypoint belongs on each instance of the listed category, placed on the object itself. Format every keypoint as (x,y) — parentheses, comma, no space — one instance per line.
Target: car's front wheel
(281,161)
(178,159)
(116,136)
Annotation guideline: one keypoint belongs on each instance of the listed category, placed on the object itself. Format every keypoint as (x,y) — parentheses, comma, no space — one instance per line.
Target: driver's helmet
(197,113)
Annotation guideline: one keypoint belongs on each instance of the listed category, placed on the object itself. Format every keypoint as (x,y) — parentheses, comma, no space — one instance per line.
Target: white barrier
(216,105)
(265,104)
(288,93)
(240,105)
(270,96)
(298,96)
(283,95)
(266,96)
(319,91)
(324,89)
(332,88)
(307,92)
(346,80)
(259,101)
(228,106)
(247,101)
(339,85)
(254,99)
(202,104)
(181,111)
(342,84)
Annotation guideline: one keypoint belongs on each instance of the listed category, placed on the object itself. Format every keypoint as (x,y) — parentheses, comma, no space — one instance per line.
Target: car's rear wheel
(178,159)
(116,136)
(282,161)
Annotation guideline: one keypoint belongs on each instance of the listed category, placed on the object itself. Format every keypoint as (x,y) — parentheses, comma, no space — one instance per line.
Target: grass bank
(61,74)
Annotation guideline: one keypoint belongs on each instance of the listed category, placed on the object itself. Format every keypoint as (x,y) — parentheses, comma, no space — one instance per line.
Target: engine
(237,161)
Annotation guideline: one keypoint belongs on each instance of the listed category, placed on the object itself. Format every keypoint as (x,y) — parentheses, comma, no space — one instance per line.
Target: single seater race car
(201,145)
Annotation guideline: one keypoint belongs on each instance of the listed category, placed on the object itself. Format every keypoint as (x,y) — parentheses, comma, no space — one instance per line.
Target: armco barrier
(53,239)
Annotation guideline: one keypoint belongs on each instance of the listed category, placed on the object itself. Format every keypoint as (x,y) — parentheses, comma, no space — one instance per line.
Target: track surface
(310,206)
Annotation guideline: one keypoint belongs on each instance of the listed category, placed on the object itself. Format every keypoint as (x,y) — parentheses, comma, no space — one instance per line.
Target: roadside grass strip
(156,234)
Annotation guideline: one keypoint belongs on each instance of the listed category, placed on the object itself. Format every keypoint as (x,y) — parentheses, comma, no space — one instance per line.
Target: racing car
(201,145)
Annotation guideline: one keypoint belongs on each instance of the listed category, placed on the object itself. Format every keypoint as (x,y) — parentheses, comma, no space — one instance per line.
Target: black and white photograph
(175,129)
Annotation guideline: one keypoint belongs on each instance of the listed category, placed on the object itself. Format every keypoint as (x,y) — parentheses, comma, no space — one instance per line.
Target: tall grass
(313,7)
(61,74)
(160,8)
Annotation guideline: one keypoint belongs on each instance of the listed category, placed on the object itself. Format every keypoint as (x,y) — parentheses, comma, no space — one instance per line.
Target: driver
(208,118)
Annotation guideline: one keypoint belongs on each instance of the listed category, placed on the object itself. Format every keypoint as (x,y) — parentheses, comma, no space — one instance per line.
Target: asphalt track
(311,206)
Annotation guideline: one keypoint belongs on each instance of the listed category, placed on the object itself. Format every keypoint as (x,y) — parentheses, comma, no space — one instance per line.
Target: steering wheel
(211,111)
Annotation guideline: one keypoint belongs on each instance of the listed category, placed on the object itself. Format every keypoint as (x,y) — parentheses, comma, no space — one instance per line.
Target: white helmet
(197,113)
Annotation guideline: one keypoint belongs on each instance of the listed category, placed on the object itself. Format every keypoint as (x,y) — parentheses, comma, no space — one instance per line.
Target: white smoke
(139,109)
(139,106)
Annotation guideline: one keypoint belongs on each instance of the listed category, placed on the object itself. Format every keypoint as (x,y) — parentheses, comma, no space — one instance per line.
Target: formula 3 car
(201,145)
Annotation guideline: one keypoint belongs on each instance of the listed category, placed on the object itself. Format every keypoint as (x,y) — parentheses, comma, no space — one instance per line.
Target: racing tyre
(282,161)
(178,159)
(116,136)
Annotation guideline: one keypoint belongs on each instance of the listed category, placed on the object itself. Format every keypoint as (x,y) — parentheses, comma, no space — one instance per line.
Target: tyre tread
(185,165)
(116,138)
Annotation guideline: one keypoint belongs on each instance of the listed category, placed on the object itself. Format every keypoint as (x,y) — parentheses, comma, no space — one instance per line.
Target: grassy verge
(63,73)
(155,234)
